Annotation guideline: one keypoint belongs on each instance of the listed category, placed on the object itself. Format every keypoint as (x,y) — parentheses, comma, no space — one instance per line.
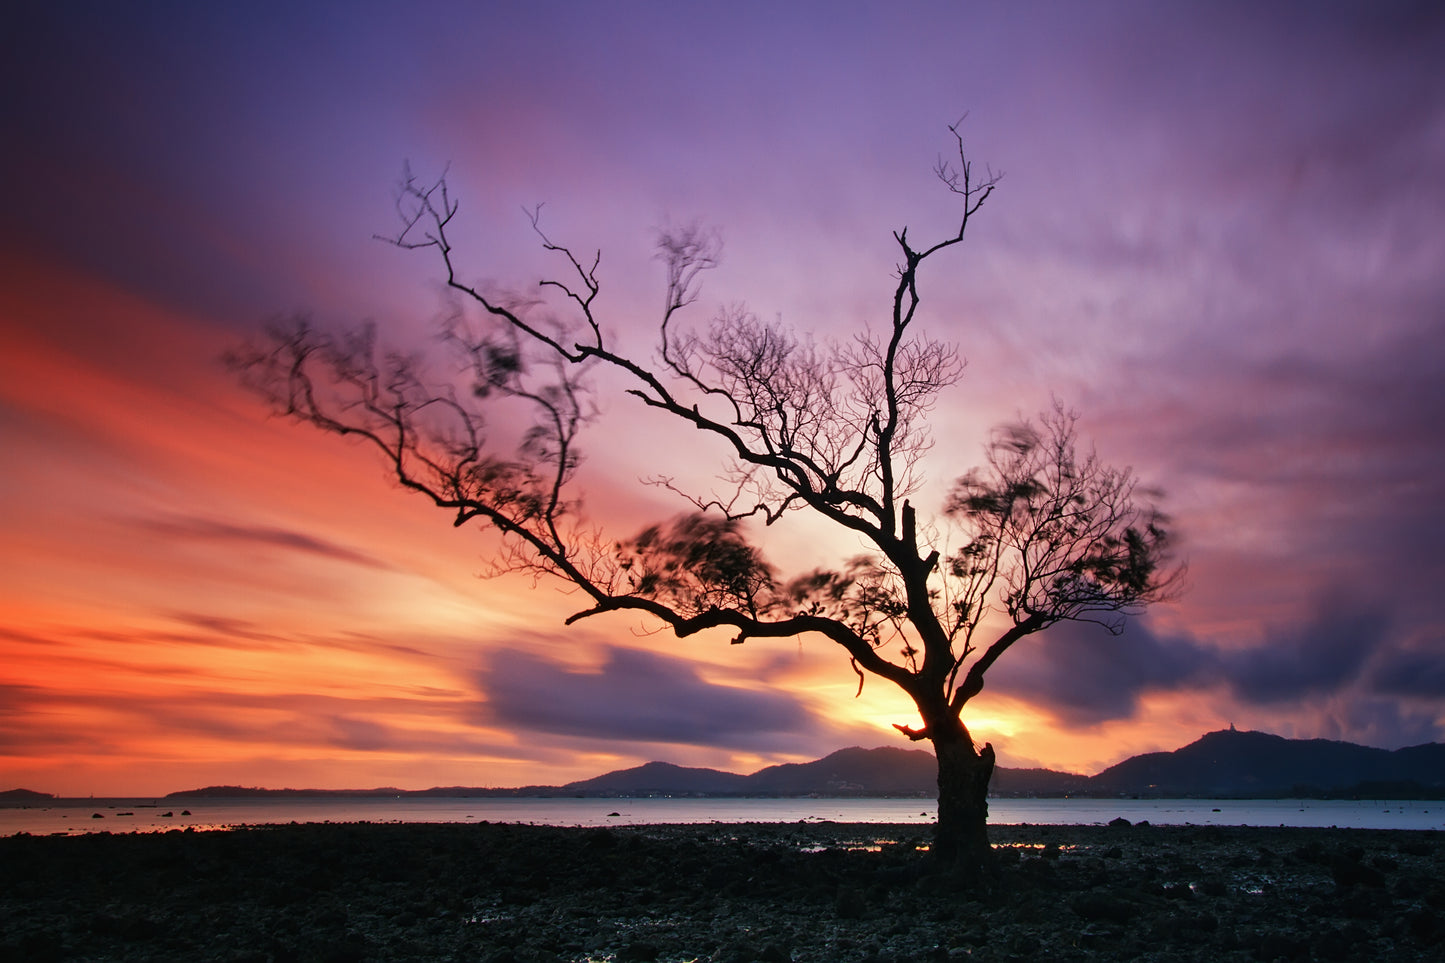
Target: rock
(1094,936)
(1329,945)
(1119,822)
(1281,946)
(1023,945)
(1103,906)
(601,838)
(1385,864)
(1415,847)
(850,903)
(35,948)
(1349,872)
(1203,922)
(1215,888)
(736,953)
(1411,887)
(1424,926)
(638,952)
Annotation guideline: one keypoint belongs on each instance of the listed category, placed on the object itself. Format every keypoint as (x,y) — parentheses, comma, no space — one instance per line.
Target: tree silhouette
(1037,535)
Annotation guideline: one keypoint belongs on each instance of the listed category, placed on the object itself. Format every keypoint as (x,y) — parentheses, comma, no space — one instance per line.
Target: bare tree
(1038,535)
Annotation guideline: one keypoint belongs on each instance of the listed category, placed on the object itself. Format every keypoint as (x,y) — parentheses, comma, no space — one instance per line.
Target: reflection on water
(149,815)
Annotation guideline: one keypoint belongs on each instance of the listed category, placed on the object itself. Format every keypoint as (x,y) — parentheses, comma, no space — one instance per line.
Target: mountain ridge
(1230,762)
(1222,764)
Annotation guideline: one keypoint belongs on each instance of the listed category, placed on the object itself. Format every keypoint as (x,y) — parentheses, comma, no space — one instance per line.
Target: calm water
(146,815)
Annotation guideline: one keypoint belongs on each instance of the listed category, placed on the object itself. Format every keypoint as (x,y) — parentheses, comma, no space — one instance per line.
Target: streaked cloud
(1417,672)
(1315,658)
(1083,675)
(281,538)
(635,696)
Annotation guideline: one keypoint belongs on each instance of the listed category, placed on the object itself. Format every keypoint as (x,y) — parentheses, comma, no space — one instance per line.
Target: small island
(25,797)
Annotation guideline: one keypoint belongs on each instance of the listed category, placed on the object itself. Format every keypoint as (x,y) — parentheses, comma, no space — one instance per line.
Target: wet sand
(800,892)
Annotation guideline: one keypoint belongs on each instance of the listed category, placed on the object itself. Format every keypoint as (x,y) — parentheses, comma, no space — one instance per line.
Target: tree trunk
(961,839)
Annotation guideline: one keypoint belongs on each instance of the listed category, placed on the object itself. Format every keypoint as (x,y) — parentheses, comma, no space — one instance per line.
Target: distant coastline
(1411,791)
(1227,764)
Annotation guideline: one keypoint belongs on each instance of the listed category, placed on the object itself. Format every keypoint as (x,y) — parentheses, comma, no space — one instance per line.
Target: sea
(91,815)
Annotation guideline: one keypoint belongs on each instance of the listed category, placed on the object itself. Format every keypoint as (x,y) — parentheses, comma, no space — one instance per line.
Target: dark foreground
(813,892)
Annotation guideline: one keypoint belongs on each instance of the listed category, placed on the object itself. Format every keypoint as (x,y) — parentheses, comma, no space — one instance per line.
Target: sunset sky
(1220,235)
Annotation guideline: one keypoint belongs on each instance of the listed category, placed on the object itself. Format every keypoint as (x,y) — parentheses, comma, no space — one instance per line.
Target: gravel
(334,893)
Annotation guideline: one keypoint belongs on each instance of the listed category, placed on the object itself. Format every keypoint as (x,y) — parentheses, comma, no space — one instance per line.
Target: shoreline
(125,815)
(720,893)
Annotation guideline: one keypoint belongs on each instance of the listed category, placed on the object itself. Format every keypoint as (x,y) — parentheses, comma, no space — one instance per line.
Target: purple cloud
(636,696)
(1350,664)
(1083,675)
(1416,673)
(1322,656)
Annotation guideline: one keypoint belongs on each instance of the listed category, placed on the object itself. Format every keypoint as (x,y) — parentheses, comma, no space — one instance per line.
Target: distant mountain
(1231,763)
(886,771)
(1224,763)
(24,796)
(1037,782)
(660,778)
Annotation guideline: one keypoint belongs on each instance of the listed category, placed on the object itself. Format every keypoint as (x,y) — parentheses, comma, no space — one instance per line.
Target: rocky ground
(805,892)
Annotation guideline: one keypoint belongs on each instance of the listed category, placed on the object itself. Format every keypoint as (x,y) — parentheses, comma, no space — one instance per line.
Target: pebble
(795,893)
